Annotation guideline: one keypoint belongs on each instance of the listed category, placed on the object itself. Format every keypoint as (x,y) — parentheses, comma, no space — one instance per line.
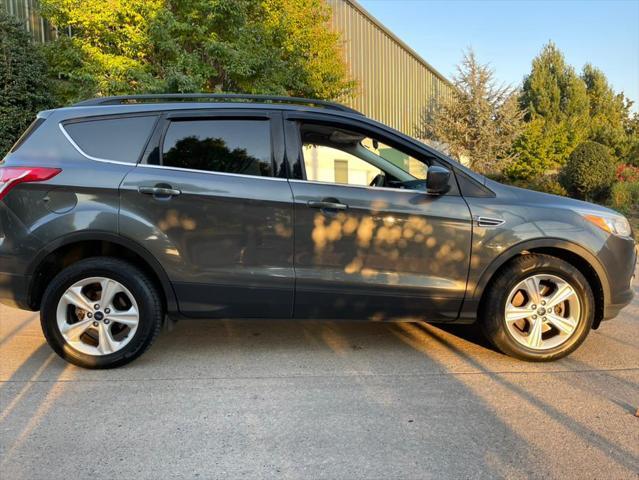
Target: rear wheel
(538,308)
(101,313)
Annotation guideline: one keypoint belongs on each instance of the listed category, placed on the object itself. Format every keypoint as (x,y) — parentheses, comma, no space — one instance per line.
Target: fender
(514,250)
(125,242)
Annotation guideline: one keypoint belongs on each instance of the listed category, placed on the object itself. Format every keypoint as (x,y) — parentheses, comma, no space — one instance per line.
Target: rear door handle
(159,191)
(327,205)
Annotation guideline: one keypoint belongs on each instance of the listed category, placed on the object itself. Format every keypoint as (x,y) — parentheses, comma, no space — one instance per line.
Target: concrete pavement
(277,399)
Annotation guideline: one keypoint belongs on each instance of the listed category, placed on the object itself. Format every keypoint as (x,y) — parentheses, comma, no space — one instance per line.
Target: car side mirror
(437,180)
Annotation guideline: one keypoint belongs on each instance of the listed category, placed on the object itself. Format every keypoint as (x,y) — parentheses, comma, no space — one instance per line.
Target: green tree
(557,115)
(250,46)
(480,121)
(589,172)
(24,90)
(631,126)
(609,112)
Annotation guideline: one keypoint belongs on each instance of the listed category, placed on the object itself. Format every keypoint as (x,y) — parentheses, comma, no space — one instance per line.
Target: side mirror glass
(437,180)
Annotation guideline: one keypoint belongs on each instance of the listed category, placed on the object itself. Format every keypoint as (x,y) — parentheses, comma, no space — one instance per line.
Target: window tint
(121,139)
(228,146)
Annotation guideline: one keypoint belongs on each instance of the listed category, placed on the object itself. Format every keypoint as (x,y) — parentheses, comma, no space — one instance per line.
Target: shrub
(627,173)
(549,184)
(625,196)
(589,172)
(23,90)
(545,183)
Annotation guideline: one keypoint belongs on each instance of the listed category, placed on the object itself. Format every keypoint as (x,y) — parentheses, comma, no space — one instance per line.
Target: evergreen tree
(557,114)
(480,121)
(609,112)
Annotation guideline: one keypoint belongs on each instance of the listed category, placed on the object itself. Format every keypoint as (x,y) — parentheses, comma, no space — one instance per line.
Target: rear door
(211,202)
(364,247)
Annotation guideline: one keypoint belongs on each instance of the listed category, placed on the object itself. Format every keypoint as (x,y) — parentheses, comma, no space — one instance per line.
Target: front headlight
(611,223)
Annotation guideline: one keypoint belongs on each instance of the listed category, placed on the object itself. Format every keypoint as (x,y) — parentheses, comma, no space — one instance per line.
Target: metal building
(395,84)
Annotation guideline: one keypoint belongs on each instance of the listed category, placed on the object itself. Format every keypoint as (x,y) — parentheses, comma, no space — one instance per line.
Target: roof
(212,98)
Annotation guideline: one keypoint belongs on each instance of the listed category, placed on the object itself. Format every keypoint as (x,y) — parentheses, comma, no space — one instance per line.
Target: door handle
(327,205)
(159,191)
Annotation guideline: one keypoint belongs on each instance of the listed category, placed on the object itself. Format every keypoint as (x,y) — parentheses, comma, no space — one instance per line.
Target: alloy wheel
(97,316)
(542,311)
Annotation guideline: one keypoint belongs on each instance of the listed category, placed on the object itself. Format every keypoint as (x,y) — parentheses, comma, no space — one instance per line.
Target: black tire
(141,287)
(492,319)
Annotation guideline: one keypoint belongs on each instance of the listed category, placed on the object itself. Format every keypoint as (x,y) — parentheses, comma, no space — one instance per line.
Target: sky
(508,34)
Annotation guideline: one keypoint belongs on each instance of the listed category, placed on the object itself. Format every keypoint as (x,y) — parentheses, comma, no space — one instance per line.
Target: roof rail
(219,97)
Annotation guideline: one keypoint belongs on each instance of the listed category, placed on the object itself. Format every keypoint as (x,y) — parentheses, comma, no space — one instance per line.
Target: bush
(625,196)
(627,173)
(589,172)
(23,88)
(544,183)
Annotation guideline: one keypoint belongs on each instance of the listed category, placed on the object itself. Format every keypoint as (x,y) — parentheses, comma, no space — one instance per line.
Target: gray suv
(120,211)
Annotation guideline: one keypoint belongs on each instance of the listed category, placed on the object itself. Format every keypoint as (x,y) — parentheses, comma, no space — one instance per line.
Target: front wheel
(538,308)
(100,313)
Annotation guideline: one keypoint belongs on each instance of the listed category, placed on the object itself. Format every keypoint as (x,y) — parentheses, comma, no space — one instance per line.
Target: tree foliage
(609,112)
(23,88)
(631,126)
(249,46)
(556,103)
(480,121)
(589,172)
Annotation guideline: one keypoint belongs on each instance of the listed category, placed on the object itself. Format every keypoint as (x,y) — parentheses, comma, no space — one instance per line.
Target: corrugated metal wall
(27,11)
(395,84)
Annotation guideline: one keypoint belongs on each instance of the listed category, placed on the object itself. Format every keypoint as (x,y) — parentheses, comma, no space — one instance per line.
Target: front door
(367,243)
(209,203)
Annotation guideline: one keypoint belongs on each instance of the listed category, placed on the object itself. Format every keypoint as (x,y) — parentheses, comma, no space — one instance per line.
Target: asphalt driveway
(277,399)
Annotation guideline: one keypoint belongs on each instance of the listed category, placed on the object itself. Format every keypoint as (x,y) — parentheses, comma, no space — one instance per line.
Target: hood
(524,196)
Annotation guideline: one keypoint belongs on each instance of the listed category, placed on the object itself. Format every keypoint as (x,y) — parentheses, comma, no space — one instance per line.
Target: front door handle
(328,204)
(159,191)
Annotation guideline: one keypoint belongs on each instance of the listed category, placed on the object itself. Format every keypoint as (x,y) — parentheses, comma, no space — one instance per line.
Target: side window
(327,164)
(119,139)
(225,145)
(339,156)
(407,163)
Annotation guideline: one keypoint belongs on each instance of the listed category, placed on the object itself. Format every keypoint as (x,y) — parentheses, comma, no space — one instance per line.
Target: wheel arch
(77,246)
(582,259)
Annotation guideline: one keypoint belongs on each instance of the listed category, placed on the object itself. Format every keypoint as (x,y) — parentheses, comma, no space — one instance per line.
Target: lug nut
(107,310)
(543,303)
(96,306)
(95,324)
(544,319)
(89,314)
(534,317)
(106,321)
(533,306)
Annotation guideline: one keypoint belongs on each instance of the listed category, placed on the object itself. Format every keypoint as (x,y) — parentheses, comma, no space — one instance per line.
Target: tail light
(12,176)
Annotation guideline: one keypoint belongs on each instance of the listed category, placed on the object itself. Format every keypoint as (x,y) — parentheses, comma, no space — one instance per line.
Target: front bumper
(622,289)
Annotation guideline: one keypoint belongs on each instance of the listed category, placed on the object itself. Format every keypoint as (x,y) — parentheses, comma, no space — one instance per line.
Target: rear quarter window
(119,139)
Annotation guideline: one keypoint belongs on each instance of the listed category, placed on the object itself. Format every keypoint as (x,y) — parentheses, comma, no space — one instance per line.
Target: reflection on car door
(377,253)
(210,206)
